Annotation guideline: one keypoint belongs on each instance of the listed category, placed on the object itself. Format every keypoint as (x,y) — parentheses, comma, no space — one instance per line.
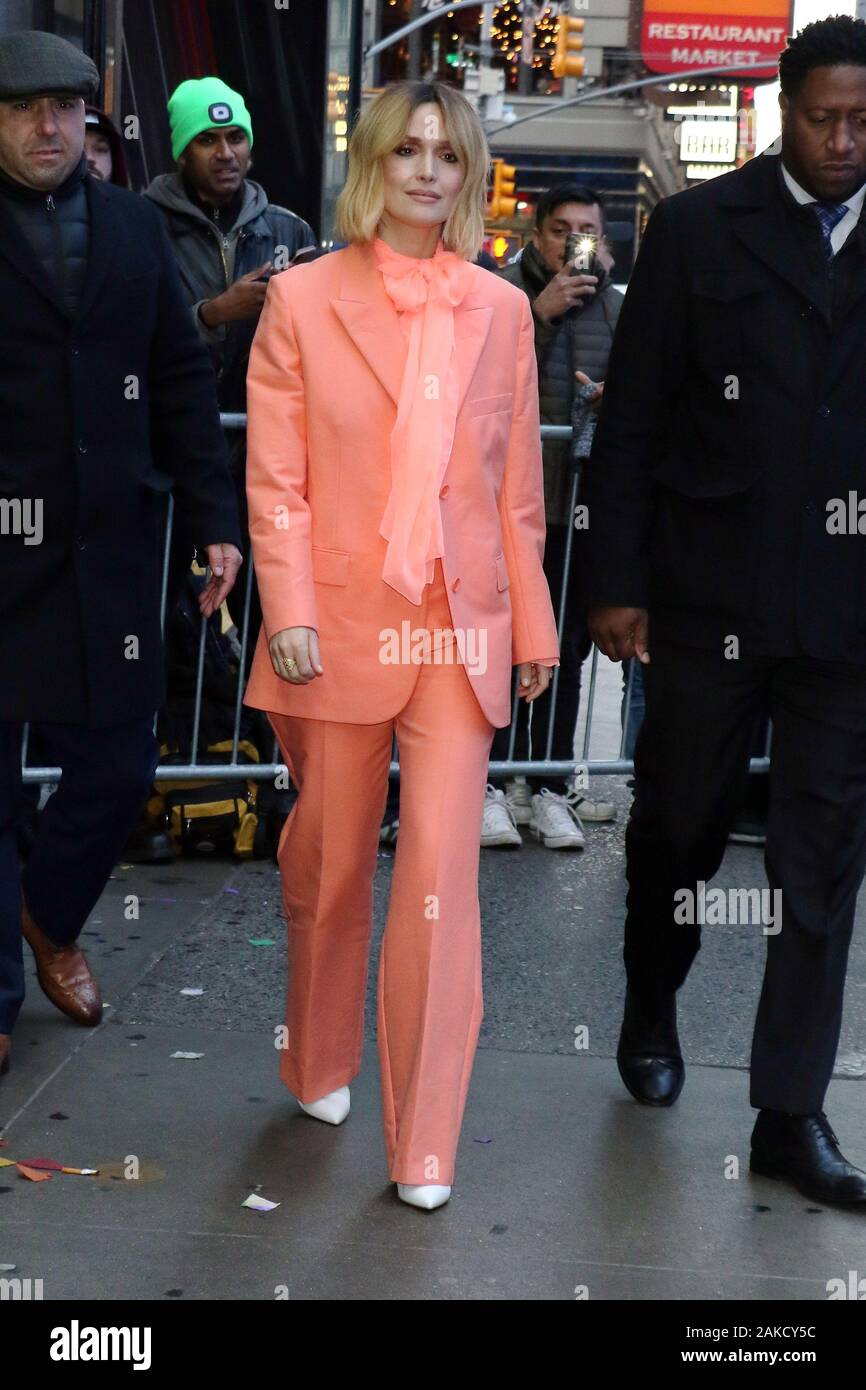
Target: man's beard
(47,179)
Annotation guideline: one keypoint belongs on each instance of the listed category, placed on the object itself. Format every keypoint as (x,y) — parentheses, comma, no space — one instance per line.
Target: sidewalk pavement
(565,1188)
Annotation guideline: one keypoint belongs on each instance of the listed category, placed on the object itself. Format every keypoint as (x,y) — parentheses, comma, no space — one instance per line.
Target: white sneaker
(519,798)
(332,1108)
(498,826)
(555,821)
(593,810)
(427,1196)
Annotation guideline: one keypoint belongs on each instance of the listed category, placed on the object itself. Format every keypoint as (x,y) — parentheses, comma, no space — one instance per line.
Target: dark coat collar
(753,198)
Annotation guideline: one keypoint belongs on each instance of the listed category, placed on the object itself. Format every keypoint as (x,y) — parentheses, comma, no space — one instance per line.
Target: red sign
(695,35)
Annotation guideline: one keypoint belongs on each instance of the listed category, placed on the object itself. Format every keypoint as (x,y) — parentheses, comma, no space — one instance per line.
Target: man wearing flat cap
(107,400)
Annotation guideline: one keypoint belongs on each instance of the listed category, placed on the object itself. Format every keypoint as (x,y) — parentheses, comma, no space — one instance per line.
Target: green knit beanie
(202,103)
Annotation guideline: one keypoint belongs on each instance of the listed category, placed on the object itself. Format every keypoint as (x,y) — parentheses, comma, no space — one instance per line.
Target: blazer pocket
(330,566)
(502,580)
(489,405)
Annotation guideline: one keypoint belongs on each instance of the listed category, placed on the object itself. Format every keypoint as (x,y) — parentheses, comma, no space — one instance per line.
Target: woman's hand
(532,679)
(295,655)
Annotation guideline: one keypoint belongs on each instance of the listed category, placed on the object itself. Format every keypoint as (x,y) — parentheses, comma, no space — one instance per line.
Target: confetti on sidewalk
(33,1174)
(192,993)
(256,1203)
(188,1056)
(261,941)
(34,1168)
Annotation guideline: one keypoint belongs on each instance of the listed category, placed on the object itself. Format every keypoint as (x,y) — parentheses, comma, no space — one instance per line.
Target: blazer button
(80,542)
(443,491)
(823,410)
(455,586)
(82,447)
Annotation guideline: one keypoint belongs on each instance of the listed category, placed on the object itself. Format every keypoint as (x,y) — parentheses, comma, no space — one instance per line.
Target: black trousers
(107,775)
(691,763)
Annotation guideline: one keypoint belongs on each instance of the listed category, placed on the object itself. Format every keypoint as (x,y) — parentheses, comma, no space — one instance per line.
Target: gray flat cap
(33,62)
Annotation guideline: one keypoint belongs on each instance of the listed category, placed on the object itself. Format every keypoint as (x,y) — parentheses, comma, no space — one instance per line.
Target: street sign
(708,142)
(677,35)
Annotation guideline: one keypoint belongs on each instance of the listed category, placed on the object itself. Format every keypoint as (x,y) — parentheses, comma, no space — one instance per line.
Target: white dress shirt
(846,224)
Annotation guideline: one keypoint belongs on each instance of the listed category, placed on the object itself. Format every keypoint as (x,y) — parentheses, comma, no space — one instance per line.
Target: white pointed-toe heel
(427,1195)
(332,1108)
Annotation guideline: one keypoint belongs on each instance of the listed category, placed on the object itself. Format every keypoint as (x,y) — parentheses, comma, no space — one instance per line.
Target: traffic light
(502,245)
(502,203)
(565,62)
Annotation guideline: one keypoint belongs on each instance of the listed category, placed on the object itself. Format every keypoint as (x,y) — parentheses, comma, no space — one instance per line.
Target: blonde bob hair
(380,130)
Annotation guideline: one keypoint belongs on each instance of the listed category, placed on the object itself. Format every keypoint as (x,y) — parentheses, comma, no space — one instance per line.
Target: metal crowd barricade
(546,765)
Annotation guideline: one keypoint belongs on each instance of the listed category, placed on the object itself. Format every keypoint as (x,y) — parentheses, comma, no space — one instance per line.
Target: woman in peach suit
(397,525)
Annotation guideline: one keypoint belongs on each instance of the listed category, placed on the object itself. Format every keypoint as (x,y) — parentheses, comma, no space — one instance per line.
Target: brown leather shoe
(4,1053)
(63,974)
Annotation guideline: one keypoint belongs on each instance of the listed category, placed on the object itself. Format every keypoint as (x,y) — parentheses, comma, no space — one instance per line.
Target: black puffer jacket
(577,341)
(55,225)
(210,259)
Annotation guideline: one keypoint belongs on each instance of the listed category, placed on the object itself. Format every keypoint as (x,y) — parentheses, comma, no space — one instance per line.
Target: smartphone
(581,253)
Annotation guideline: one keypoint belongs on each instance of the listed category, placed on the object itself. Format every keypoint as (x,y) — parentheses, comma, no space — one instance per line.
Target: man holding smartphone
(227,237)
(574,313)
(227,240)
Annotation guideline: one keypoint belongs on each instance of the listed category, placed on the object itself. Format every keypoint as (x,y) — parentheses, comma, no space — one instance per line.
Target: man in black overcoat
(725,548)
(106,401)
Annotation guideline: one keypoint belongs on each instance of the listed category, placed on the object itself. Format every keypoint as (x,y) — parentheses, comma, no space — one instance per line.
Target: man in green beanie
(226,236)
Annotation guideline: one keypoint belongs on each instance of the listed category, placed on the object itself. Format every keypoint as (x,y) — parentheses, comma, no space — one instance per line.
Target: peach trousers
(429,1001)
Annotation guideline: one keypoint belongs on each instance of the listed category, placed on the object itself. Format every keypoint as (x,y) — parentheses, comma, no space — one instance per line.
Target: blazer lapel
(761,223)
(366,312)
(471,327)
(369,317)
(767,235)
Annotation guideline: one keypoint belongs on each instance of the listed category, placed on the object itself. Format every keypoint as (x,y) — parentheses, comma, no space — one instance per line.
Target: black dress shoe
(649,1058)
(804,1149)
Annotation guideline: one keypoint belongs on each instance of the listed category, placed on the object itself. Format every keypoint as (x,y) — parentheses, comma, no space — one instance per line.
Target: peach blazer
(322,389)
